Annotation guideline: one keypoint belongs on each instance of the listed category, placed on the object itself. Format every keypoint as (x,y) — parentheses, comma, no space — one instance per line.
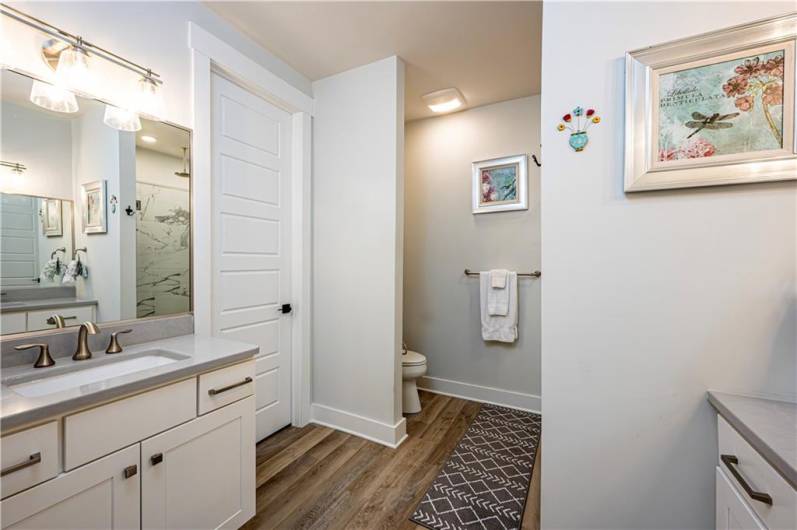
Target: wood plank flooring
(319,478)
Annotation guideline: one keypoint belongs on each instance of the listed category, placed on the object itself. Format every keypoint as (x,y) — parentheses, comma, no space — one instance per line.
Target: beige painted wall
(442,237)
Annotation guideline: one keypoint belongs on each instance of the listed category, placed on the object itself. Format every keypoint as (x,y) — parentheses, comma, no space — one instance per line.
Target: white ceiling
(490,51)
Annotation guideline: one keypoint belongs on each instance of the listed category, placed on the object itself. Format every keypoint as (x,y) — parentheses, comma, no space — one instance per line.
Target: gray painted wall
(649,299)
(442,237)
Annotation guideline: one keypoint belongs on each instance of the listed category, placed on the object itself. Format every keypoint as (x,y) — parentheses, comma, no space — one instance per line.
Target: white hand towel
(70,274)
(502,328)
(498,278)
(498,297)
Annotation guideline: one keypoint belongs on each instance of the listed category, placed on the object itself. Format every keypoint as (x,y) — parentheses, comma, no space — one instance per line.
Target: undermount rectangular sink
(76,376)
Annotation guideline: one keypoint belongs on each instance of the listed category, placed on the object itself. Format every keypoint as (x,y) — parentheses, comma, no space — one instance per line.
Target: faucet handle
(113,346)
(44,360)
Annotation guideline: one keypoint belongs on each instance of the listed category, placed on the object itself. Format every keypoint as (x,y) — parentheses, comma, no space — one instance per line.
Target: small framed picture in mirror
(95,217)
(52,220)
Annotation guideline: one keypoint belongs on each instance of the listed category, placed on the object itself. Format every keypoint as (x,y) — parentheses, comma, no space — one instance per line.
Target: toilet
(413,366)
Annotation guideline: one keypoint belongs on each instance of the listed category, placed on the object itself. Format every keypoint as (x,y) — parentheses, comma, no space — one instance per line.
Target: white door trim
(208,53)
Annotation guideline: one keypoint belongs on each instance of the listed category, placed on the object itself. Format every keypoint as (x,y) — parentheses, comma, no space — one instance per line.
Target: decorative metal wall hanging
(577,122)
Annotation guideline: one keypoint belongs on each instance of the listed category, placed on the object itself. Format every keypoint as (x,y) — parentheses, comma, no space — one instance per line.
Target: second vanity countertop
(204,354)
(768,425)
(45,303)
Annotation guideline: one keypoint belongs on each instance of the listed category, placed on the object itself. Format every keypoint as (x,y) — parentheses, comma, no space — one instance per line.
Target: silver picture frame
(52,218)
(94,199)
(643,169)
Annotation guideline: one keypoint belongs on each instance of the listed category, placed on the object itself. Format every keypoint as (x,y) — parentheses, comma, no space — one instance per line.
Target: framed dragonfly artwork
(714,109)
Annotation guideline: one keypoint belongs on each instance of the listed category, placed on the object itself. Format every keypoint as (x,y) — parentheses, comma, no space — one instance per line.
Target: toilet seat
(412,358)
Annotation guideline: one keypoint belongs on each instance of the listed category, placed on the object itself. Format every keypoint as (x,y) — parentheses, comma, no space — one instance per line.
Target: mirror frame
(191,224)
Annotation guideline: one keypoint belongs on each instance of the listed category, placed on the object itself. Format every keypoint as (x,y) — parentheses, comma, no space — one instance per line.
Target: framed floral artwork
(500,184)
(714,109)
(95,216)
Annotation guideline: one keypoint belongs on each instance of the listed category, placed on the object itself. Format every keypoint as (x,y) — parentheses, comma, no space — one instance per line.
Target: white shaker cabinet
(733,513)
(201,474)
(102,494)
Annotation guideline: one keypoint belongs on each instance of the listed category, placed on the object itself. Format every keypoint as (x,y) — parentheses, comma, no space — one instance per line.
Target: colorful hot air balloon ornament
(577,122)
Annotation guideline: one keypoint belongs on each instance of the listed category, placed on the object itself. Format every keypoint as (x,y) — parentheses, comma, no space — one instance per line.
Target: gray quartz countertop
(195,355)
(46,303)
(770,426)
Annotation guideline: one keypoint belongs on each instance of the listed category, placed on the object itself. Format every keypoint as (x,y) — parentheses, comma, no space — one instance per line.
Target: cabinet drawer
(226,385)
(760,476)
(13,323)
(99,431)
(72,315)
(29,457)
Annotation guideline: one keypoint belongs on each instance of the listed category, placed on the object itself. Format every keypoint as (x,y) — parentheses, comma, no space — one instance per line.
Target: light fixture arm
(78,42)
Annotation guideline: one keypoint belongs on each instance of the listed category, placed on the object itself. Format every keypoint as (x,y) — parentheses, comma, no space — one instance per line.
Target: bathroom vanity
(159,436)
(756,471)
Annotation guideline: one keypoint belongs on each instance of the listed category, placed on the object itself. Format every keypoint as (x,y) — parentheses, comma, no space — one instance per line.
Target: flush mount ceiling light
(53,98)
(444,100)
(121,119)
(70,57)
(148,139)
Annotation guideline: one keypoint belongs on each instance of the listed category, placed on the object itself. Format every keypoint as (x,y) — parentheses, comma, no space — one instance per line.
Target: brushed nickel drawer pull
(32,460)
(214,391)
(52,321)
(130,471)
(731,462)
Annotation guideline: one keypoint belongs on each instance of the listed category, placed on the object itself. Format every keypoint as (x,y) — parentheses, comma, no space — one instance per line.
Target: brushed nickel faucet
(114,346)
(44,360)
(83,352)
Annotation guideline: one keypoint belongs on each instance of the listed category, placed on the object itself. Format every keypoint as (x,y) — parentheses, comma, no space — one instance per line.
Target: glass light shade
(73,70)
(53,98)
(121,119)
(148,100)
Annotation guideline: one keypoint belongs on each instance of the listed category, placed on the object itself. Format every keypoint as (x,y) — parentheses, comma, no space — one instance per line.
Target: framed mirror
(95,222)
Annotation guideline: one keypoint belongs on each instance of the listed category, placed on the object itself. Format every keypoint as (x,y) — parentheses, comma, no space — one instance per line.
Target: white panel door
(251,233)
(201,474)
(103,494)
(19,247)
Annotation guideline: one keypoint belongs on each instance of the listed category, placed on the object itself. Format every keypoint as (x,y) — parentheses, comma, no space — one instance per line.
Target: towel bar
(535,274)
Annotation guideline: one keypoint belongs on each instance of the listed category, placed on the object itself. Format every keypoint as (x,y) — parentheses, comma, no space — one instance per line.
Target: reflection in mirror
(95,221)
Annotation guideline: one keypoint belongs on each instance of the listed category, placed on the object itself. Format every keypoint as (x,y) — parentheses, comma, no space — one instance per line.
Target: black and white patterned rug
(485,482)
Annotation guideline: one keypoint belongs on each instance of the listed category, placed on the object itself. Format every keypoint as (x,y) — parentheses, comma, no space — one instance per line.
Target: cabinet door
(733,512)
(97,495)
(201,474)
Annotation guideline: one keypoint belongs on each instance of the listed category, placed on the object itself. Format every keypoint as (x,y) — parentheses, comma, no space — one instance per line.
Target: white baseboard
(483,394)
(376,431)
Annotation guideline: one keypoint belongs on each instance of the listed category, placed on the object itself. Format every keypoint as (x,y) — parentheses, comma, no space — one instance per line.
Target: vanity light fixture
(16,167)
(149,100)
(73,71)
(148,139)
(53,97)
(444,100)
(121,119)
(69,56)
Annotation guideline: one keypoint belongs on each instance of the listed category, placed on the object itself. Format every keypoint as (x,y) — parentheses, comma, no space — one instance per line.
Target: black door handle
(156,459)
(285,309)
(731,462)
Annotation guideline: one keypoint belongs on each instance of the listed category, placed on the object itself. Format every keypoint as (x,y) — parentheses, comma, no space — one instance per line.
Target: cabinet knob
(156,459)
